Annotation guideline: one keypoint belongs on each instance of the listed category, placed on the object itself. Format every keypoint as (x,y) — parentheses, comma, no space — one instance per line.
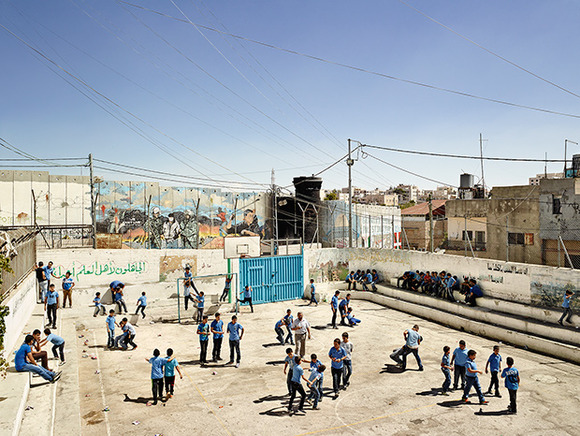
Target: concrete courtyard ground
(252,399)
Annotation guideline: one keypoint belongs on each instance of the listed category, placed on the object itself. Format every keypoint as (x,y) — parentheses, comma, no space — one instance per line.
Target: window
(556,205)
(469,235)
(516,238)
(480,237)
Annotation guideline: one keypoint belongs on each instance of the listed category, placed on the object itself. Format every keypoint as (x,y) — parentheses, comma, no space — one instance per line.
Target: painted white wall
(21,304)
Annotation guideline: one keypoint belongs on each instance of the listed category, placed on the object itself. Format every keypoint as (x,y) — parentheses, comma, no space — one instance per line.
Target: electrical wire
(471,41)
(463,156)
(366,71)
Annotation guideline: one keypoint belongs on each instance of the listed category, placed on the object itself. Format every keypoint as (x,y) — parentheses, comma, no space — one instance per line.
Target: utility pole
(465,230)
(481,158)
(349,163)
(507,240)
(432,245)
(275,195)
(546,165)
(93,205)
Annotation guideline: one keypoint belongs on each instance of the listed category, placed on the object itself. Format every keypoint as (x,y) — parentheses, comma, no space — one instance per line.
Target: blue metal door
(275,278)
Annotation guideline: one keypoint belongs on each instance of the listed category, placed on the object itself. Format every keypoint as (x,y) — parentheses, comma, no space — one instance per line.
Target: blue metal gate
(275,278)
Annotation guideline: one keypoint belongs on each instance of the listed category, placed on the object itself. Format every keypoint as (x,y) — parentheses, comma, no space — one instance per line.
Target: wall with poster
(151,216)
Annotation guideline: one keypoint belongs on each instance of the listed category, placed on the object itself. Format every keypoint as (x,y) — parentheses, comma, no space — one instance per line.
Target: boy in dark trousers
(57,345)
(494,365)
(170,367)
(157,364)
(203,332)
(141,304)
(446,368)
(512,383)
(200,305)
(471,379)
(289,362)
(567,312)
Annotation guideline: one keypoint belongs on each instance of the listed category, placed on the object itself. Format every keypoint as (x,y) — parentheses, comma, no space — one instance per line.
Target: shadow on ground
(392,369)
(493,413)
(431,392)
(451,403)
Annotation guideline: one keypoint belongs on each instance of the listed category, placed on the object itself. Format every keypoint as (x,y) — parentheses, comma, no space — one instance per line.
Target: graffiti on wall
(78,270)
(550,294)
(153,216)
(171,267)
(329,271)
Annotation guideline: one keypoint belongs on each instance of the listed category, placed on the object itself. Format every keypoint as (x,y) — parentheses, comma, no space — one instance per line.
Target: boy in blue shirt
(352,321)
(446,368)
(279,331)
(343,307)
(217,328)
(512,383)
(67,285)
(350,281)
(289,363)
(24,362)
(315,379)
(227,287)
(51,303)
(203,332)
(236,332)
(334,307)
(312,293)
(494,364)
(170,367)
(111,323)
(337,355)
(297,376)
(98,305)
(459,358)
(188,285)
(288,319)
(247,292)
(117,289)
(141,304)
(57,345)
(200,305)
(471,378)
(157,364)
(567,312)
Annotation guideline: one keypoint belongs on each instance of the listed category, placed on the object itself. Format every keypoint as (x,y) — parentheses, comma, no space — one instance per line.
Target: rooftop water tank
(466,181)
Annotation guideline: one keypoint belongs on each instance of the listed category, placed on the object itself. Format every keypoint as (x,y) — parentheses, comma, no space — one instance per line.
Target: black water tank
(308,188)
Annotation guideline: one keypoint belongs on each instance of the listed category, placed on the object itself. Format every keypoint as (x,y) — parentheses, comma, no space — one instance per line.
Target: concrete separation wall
(21,304)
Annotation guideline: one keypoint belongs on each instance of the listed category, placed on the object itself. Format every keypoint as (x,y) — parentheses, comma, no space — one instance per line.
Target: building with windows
(535,181)
(417,226)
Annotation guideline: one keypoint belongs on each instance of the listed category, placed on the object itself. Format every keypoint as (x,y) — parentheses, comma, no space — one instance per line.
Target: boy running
(472,379)
(98,305)
(567,312)
(141,304)
(494,365)
(312,293)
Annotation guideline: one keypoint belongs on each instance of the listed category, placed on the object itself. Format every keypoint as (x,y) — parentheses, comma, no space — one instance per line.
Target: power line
(462,156)
(364,70)
(537,76)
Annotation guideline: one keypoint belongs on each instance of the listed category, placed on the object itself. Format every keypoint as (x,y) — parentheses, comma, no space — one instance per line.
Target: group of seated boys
(366,279)
(441,285)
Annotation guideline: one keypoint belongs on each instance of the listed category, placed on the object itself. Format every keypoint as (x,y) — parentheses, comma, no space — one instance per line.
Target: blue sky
(288,112)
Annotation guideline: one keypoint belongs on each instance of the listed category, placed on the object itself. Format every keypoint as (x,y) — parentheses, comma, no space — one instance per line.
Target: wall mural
(153,216)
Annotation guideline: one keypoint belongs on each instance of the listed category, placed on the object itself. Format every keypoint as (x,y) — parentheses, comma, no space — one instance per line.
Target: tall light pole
(349,163)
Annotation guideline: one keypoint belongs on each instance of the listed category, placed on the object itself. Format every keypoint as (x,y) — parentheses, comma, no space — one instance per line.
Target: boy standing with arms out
(312,293)
(98,305)
(157,364)
(217,328)
(170,367)
(141,304)
(348,347)
(234,330)
(289,362)
(111,323)
(512,383)
(57,345)
(67,285)
(203,332)
(567,312)
(494,364)
(459,357)
(472,379)
(446,368)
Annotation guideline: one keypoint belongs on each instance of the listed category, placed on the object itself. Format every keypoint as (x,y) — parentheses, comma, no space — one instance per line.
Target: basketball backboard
(241,246)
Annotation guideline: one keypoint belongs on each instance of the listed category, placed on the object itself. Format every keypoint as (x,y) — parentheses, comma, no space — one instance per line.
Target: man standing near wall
(42,282)
(301,327)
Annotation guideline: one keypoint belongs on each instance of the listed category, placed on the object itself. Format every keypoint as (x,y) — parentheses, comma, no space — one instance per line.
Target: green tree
(333,195)
(4,311)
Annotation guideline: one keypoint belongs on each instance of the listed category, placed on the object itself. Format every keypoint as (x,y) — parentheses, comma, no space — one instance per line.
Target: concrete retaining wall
(21,304)
(522,283)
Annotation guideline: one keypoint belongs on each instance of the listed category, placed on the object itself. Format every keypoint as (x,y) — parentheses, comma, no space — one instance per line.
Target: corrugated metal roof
(423,208)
